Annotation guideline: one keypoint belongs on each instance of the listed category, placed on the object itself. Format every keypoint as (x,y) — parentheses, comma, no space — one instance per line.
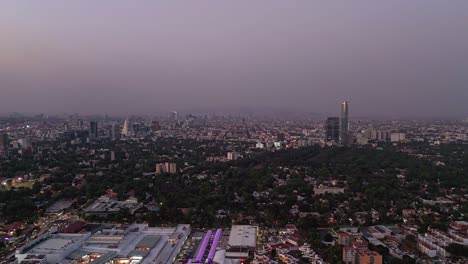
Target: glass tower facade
(344,125)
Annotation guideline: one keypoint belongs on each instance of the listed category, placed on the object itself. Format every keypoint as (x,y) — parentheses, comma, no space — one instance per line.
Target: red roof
(281,245)
(74,227)
(13,226)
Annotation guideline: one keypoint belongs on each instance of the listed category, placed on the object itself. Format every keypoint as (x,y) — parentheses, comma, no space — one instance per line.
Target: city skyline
(390,59)
(233,132)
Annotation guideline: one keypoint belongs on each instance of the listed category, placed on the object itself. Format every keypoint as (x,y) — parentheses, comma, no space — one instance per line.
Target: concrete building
(33,259)
(115,132)
(4,144)
(232,155)
(132,244)
(159,168)
(167,167)
(434,244)
(344,124)
(328,189)
(345,238)
(368,257)
(126,128)
(260,145)
(93,130)
(174,116)
(172,168)
(60,206)
(25,143)
(332,129)
(380,231)
(397,137)
(242,242)
(106,205)
(350,252)
(55,247)
(358,253)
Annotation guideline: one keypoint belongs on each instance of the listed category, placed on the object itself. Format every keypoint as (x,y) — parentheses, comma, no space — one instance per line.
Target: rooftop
(242,236)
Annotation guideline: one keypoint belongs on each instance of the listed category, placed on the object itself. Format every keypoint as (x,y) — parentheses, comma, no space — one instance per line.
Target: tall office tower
(135,128)
(115,132)
(80,123)
(4,144)
(126,128)
(174,116)
(332,129)
(93,130)
(344,126)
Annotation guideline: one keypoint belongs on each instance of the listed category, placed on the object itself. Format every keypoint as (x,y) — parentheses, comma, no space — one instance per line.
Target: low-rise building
(242,242)
(106,205)
(136,243)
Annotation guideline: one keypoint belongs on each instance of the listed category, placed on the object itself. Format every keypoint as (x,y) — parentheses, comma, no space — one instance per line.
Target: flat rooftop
(243,236)
(50,244)
(60,206)
(136,241)
(54,244)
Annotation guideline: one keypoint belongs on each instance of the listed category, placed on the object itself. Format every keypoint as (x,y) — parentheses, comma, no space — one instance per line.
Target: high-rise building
(232,155)
(80,123)
(397,137)
(351,248)
(167,167)
(136,128)
(344,125)
(115,132)
(174,116)
(93,130)
(159,168)
(172,168)
(368,257)
(377,135)
(126,128)
(332,129)
(4,144)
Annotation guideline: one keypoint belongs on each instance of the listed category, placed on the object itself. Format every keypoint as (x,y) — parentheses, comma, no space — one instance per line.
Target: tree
(328,238)
(37,186)
(458,250)
(409,242)
(406,260)
(273,253)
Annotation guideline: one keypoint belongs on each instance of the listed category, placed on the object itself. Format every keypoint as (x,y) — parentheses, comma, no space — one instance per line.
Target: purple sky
(392,58)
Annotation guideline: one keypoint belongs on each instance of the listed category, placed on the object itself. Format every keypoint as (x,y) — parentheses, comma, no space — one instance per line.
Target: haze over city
(234,132)
(393,58)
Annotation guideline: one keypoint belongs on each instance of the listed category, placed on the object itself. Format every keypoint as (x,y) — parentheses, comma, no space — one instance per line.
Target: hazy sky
(392,58)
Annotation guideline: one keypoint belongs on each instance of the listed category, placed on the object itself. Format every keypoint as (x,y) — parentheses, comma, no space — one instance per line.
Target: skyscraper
(115,132)
(126,128)
(332,129)
(174,116)
(93,130)
(344,126)
(4,144)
